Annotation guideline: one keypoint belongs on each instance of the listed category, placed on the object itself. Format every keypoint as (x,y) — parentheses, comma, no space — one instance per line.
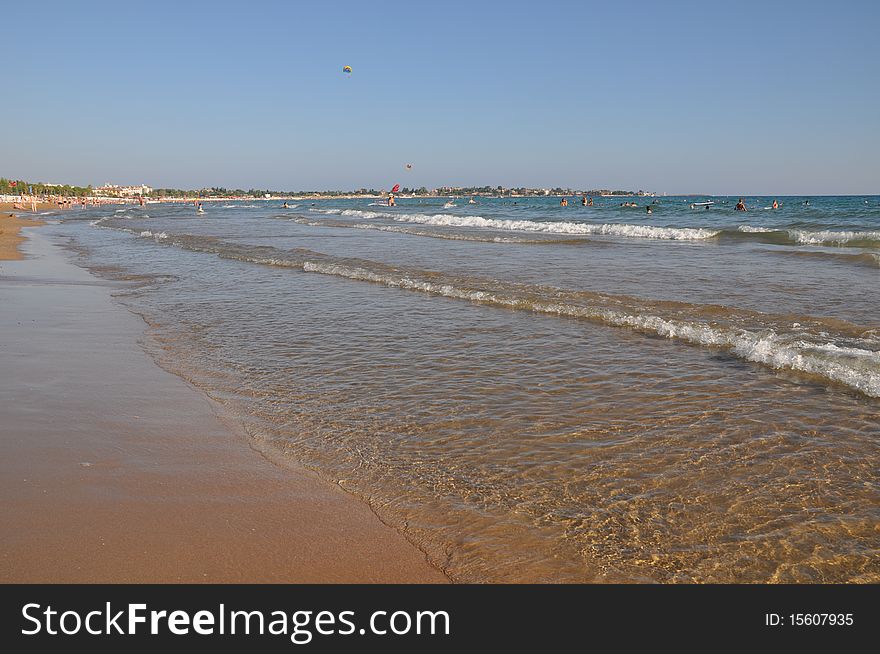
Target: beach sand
(113,470)
(10,234)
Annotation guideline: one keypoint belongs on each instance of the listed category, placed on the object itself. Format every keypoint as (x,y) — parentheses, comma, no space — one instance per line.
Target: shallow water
(537,393)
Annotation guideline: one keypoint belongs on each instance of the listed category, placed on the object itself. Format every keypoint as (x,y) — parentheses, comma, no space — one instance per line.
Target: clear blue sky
(764,97)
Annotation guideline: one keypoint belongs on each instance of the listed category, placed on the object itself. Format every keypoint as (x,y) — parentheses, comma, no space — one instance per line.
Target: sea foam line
(819,237)
(450,236)
(859,369)
(607,229)
(148,234)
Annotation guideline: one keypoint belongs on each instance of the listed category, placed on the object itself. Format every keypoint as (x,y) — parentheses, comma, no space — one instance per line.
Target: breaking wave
(586,229)
(827,349)
(759,233)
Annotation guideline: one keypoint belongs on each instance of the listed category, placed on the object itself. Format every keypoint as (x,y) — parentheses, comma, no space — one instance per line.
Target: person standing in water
(740,206)
(775,204)
(391,199)
(564,202)
(584,200)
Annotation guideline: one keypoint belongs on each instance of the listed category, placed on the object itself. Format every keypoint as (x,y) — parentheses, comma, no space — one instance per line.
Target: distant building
(115,191)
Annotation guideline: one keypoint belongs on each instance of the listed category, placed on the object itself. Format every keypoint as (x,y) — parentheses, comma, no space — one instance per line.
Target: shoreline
(115,470)
(11,237)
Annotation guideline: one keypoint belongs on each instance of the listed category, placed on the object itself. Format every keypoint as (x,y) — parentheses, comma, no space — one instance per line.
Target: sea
(538,393)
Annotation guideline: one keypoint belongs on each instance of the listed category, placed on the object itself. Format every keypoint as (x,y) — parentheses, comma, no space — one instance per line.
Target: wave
(827,349)
(760,233)
(585,229)
(827,237)
(858,369)
(451,236)
(808,237)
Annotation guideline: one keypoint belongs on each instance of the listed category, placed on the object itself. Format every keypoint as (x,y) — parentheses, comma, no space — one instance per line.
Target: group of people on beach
(22,205)
(30,202)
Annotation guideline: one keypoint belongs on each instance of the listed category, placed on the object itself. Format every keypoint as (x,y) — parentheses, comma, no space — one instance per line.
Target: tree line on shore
(23,187)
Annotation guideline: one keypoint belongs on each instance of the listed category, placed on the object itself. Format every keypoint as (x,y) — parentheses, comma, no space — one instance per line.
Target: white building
(113,190)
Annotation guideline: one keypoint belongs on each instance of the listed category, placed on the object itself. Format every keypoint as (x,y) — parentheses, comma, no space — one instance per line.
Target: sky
(764,97)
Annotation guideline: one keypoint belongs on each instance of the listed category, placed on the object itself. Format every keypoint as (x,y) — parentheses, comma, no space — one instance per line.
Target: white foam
(148,234)
(608,229)
(826,236)
(755,230)
(854,367)
(412,231)
(366,214)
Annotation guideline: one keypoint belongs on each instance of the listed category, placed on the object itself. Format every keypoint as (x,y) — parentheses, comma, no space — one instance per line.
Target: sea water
(532,392)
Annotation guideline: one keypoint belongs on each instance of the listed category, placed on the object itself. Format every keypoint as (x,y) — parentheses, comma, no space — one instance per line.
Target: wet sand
(113,470)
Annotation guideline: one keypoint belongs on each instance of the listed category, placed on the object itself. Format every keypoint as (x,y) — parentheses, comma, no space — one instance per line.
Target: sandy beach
(114,470)
(10,234)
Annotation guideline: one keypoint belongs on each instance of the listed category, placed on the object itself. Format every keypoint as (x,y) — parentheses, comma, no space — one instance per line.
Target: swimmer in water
(564,202)
(285,206)
(584,200)
(649,209)
(775,204)
(740,206)
(391,199)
